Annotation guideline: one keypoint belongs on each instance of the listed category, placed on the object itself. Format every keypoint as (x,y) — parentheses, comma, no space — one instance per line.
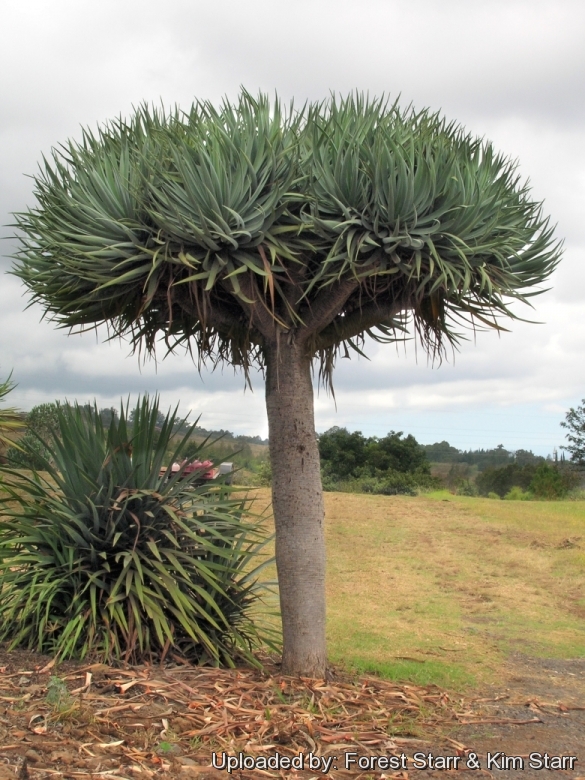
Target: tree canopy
(214,227)
(345,455)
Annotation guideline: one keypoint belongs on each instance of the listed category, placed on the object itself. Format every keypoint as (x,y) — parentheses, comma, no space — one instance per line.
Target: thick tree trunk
(297,497)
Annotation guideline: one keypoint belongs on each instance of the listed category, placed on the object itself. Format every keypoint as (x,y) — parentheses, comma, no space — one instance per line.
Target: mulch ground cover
(96,721)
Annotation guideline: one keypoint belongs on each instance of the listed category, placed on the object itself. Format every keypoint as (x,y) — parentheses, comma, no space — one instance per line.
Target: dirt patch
(547,699)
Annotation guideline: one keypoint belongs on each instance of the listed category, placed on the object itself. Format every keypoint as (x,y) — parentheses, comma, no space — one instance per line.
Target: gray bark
(297,497)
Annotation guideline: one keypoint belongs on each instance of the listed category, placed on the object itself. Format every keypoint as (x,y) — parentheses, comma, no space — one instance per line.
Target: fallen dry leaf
(114,730)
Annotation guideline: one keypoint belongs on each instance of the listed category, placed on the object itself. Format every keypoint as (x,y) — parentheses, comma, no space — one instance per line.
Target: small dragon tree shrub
(101,556)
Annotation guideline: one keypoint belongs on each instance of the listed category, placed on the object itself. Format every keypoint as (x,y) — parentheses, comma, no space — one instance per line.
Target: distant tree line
(223,434)
(351,461)
(515,474)
(443,452)
(543,481)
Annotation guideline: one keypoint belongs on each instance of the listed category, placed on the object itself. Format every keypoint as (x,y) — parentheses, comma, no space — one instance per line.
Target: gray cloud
(510,70)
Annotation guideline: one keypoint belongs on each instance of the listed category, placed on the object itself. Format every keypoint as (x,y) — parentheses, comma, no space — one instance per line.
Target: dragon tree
(264,236)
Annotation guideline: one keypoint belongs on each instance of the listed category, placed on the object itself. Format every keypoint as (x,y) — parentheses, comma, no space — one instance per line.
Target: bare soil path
(547,698)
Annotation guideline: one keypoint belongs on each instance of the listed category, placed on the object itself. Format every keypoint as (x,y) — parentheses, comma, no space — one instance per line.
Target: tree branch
(350,325)
(221,318)
(257,312)
(327,304)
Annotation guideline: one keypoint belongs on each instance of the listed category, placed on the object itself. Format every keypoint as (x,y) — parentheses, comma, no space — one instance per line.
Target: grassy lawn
(441,588)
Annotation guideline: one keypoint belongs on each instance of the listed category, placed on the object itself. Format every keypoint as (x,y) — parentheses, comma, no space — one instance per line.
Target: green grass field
(441,589)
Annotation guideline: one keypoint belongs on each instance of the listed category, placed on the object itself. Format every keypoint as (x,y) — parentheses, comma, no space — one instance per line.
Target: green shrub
(101,556)
(457,476)
(517,494)
(467,488)
(545,481)
(548,483)
(58,695)
(502,480)
(494,495)
(30,453)
(264,474)
(390,483)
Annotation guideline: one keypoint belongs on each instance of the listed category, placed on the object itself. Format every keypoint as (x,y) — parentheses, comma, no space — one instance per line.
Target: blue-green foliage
(165,224)
(101,555)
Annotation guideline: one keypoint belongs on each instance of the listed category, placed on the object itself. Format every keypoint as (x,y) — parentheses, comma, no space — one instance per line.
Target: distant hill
(225,435)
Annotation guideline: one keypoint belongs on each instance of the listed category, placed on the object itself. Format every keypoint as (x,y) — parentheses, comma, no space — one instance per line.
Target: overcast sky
(510,70)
